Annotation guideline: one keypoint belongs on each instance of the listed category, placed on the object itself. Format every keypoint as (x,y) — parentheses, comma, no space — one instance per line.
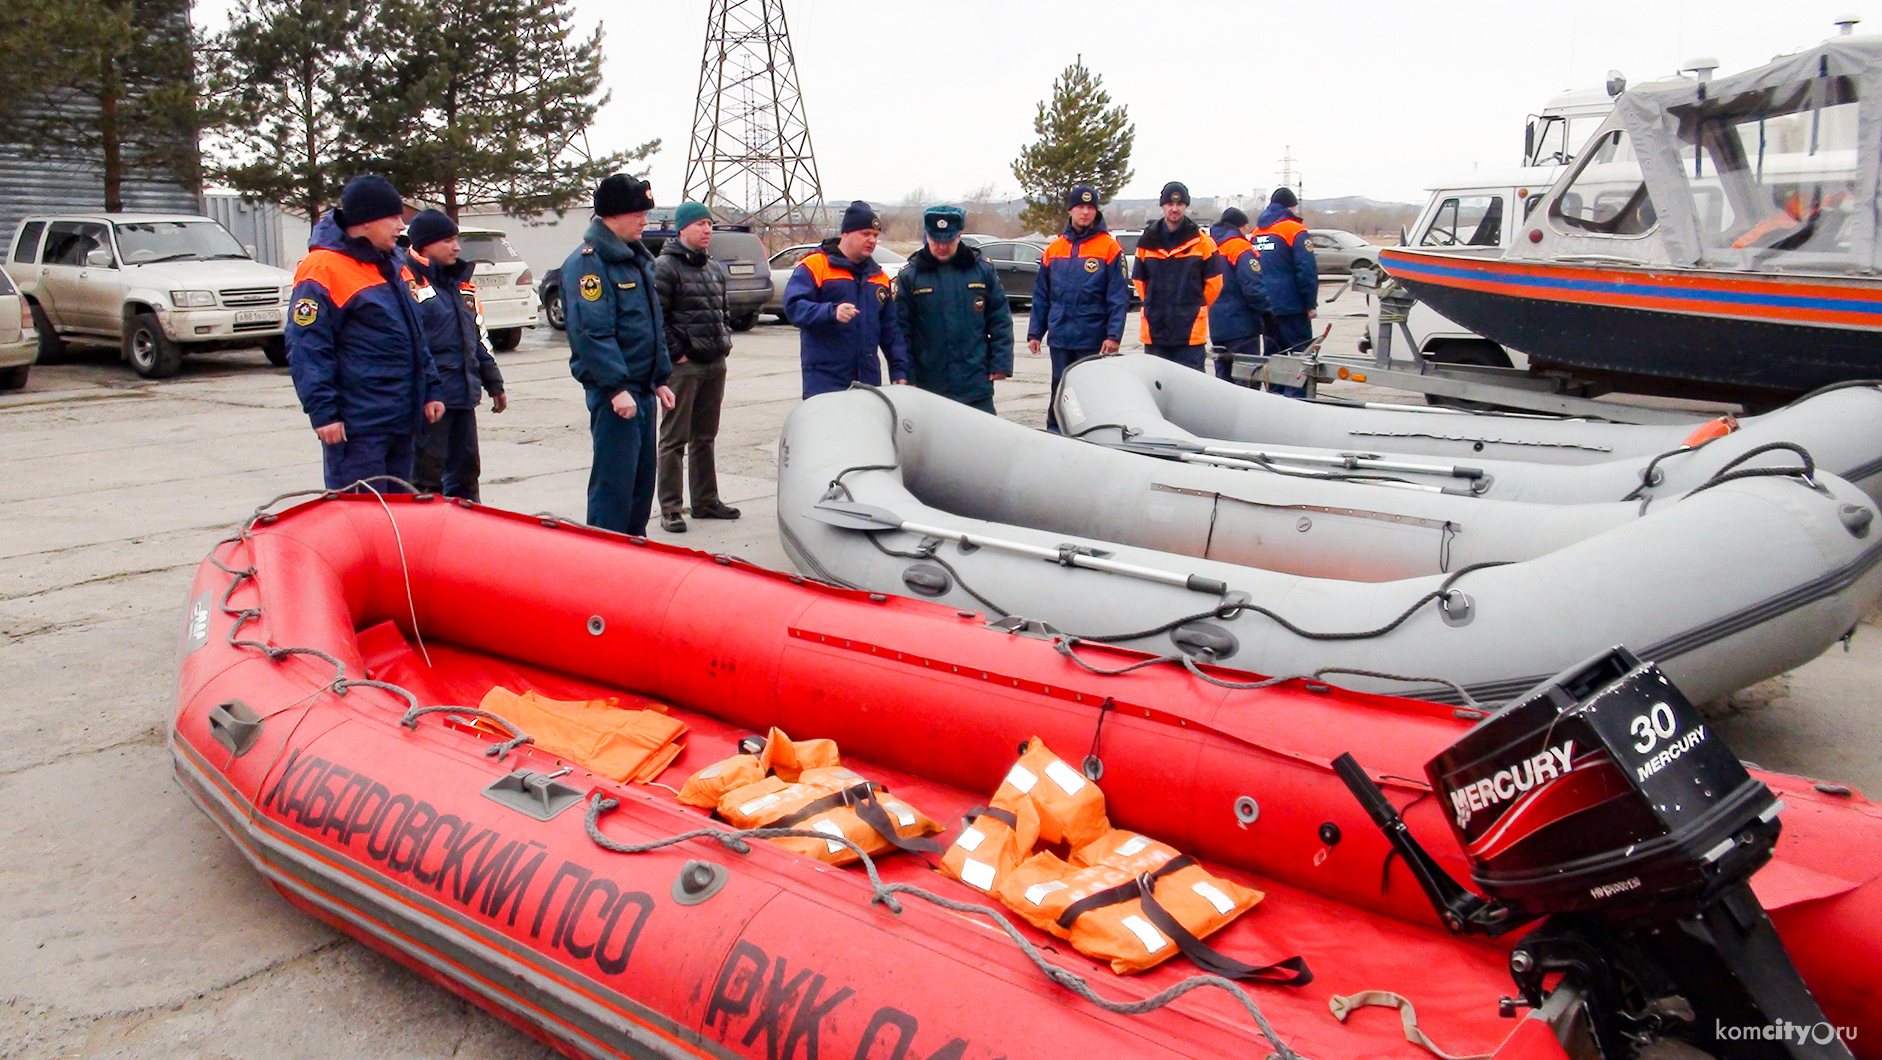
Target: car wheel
(150,351)
(744,321)
(503,340)
(1361,263)
(51,346)
(15,378)
(552,309)
(276,348)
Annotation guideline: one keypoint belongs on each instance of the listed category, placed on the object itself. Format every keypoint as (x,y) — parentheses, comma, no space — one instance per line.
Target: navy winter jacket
(617,338)
(454,329)
(955,323)
(832,351)
(1081,294)
(356,345)
(1236,313)
(1287,262)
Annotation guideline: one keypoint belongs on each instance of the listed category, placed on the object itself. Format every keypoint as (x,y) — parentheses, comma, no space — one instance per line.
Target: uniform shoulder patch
(305,311)
(590,287)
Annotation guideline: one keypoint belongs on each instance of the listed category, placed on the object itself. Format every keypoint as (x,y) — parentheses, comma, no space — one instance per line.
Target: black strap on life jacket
(1005,817)
(862,799)
(1123,892)
(1291,971)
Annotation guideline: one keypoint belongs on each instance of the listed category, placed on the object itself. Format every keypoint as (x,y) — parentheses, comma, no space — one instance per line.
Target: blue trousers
(448,461)
(365,456)
(1061,360)
(829,378)
(1196,357)
(621,479)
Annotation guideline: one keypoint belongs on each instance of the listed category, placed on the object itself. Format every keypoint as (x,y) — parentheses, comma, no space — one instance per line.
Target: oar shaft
(1362,463)
(1076,559)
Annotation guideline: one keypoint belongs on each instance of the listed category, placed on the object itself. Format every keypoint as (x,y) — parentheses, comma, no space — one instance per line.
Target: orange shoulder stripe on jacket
(1103,246)
(1234,247)
(817,263)
(343,277)
(1286,229)
(1060,247)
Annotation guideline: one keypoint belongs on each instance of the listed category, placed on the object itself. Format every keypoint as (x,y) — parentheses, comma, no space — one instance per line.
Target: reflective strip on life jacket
(837,802)
(1071,808)
(992,844)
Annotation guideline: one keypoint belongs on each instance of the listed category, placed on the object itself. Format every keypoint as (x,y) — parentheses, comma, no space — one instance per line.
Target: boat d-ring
(698,881)
(1457,607)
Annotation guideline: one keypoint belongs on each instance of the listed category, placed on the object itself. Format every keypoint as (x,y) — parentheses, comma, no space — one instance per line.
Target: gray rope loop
(498,751)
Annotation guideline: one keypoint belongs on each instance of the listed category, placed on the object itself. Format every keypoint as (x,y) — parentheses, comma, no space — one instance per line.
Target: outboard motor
(1604,803)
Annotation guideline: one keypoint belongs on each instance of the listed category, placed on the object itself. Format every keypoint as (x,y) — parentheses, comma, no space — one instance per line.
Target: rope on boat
(884,894)
(1068,647)
(341,684)
(1807,472)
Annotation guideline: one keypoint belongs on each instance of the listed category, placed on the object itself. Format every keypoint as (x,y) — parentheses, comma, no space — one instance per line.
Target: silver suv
(157,286)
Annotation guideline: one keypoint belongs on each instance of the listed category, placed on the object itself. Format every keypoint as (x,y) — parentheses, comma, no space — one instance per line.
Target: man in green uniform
(953,315)
(618,352)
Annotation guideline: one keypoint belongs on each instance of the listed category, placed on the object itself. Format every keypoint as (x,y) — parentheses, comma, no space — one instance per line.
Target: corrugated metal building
(34,186)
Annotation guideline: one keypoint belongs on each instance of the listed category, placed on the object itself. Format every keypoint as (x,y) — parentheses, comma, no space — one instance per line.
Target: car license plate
(739,270)
(258,316)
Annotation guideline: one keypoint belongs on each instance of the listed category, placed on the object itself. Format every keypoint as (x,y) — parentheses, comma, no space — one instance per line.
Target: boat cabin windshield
(1774,170)
(1608,194)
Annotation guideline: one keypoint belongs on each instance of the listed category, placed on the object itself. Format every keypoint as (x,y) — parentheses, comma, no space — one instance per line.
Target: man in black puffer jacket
(691,286)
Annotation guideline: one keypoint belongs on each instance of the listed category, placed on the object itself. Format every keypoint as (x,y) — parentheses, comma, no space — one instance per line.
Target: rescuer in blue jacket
(1288,265)
(1081,294)
(448,459)
(1238,317)
(842,304)
(618,352)
(356,345)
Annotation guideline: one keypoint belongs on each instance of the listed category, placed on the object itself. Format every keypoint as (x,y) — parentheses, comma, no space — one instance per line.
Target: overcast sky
(1375,99)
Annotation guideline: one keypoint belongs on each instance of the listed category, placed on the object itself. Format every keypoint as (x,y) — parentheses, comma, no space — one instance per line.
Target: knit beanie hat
(1174,191)
(859,216)
(367,198)
(1081,195)
(620,193)
(1234,218)
(1284,196)
(690,213)
(427,227)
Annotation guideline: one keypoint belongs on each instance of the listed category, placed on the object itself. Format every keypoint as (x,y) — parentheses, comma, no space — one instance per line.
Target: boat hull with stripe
(1767,335)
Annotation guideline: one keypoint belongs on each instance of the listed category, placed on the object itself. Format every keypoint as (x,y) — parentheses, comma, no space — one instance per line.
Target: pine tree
(482,112)
(1083,139)
(285,89)
(106,83)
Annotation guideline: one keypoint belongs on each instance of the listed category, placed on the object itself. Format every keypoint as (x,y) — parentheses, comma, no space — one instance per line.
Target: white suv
(155,285)
(505,285)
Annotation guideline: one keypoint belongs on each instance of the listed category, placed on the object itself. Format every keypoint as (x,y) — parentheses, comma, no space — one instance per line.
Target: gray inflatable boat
(1151,406)
(901,491)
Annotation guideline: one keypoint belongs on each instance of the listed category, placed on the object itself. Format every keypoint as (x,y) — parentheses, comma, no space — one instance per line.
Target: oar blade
(849,515)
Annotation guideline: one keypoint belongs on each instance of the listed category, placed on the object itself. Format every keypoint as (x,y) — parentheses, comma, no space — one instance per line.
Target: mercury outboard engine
(1604,803)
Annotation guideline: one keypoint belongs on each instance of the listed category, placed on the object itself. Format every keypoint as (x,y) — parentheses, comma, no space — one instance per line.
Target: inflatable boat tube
(311,637)
(1733,584)
(1160,408)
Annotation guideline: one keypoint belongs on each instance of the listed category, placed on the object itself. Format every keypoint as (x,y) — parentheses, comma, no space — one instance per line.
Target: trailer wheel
(1478,352)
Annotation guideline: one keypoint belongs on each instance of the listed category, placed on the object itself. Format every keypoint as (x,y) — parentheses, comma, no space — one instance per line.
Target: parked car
(19,343)
(785,260)
(157,286)
(1338,252)
(504,285)
(748,281)
(1017,262)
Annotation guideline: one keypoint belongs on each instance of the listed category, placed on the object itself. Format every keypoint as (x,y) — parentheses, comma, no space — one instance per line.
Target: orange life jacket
(837,802)
(995,840)
(1071,808)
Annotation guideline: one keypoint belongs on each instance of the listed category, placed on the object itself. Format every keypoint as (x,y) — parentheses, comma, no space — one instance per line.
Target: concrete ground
(129,927)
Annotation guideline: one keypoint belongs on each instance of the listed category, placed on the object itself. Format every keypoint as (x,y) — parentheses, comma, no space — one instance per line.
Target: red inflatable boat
(440,840)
